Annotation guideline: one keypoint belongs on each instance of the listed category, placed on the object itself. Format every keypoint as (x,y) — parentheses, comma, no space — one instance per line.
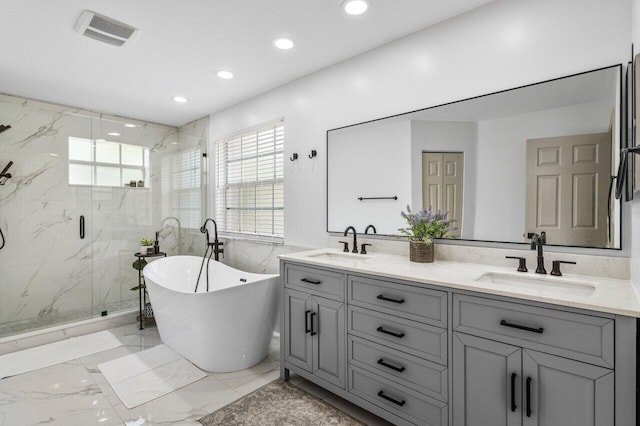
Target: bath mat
(147,375)
(279,404)
(55,353)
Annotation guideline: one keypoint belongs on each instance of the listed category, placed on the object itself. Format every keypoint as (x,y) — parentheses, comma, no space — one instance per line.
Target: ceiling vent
(105,29)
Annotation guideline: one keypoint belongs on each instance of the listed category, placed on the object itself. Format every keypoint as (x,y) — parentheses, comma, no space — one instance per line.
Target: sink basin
(340,257)
(539,284)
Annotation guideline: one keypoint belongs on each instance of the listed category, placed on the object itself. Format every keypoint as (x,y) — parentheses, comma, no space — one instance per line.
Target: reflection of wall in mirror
(446,136)
(369,161)
(501,174)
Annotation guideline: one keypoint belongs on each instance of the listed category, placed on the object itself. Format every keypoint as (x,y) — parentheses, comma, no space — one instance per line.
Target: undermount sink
(339,257)
(539,284)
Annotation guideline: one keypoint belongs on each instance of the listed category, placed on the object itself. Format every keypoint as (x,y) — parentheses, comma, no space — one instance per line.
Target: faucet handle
(555,270)
(363,248)
(522,263)
(345,247)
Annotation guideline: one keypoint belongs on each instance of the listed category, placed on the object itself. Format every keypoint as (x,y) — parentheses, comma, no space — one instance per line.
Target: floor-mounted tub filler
(227,328)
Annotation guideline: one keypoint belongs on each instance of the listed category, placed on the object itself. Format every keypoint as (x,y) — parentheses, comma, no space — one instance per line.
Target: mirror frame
(623,106)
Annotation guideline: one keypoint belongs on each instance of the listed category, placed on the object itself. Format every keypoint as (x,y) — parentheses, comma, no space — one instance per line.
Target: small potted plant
(424,226)
(145,245)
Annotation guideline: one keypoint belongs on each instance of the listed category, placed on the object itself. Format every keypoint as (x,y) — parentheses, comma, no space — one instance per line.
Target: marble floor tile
(76,392)
(64,394)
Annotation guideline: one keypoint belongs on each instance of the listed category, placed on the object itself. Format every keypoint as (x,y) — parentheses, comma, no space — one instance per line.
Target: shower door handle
(82,227)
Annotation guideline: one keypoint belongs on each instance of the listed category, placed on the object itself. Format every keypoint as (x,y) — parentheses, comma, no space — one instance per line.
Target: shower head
(4,127)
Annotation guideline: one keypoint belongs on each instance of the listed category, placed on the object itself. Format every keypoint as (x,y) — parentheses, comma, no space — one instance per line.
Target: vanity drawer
(415,338)
(582,337)
(422,376)
(399,400)
(415,303)
(316,280)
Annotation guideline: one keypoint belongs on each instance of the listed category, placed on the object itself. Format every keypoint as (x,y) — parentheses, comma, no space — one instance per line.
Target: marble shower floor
(76,393)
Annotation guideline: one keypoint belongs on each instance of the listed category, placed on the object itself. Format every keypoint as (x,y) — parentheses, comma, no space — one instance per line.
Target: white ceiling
(181,45)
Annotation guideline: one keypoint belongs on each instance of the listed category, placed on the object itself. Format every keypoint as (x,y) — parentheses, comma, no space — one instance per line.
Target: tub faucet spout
(216,244)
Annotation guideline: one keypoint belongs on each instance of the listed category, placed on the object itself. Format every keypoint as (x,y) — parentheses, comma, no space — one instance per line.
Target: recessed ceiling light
(101,140)
(53,154)
(174,143)
(355,7)
(180,99)
(283,43)
(113,134)
(130,125)
(224,74)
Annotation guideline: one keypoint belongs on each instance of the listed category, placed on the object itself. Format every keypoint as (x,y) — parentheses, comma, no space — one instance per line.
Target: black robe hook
(313,153)
(295,157)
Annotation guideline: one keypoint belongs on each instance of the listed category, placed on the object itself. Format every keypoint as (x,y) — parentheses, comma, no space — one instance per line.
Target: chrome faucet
(162,225)
(216,244)
(355,238)
(538,241)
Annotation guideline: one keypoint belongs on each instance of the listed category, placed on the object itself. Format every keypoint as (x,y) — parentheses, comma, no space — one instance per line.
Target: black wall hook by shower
(313,153)
(295,157)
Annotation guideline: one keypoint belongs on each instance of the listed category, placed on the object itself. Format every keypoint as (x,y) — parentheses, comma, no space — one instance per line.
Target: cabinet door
(298,345)
(486,382)
(329,341)
(565,392)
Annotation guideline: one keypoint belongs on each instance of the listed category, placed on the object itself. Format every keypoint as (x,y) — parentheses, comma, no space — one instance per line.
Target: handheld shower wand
(4,176)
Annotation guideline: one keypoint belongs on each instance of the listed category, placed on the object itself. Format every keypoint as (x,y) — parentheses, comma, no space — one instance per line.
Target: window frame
(145,168)
(222,188)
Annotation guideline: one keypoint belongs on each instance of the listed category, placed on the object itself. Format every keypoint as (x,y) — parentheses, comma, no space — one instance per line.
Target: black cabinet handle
(82,227)
(310,281)
(313,333)
(528,396)
(306,322)
(391,333)
(513,392)
(388,398)
(522,327)
(393,367)
(390,299)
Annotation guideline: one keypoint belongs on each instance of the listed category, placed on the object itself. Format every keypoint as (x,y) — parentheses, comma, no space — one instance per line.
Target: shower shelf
(142,291)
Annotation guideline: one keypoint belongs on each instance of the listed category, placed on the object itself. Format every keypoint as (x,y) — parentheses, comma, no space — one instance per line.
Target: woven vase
(419,251)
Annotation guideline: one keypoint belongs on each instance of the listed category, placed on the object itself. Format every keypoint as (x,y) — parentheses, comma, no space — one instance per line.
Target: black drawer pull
(388,398)
(529,397)
(393,367)
(306,322)
(522,327)
(391,333)
(310,281)
(313,333)
(513,392)
(389,299)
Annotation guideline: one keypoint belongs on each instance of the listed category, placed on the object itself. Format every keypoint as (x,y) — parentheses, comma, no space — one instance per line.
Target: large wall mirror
(531,159)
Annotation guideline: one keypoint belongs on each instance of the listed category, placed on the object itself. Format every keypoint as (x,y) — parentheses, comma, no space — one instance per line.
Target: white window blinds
(181,187)
(249,196)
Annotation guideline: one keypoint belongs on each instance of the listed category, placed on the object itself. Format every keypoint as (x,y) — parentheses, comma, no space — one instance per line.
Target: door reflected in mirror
(531,159)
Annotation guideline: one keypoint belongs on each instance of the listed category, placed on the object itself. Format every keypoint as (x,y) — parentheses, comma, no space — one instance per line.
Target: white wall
(504,44)
(635,205)
(501,182)
(446,137)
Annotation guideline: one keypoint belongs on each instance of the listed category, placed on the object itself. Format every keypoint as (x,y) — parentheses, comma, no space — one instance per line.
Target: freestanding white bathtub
(229,327)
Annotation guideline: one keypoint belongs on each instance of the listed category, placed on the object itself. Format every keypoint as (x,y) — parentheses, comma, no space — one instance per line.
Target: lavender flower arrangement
(426,225)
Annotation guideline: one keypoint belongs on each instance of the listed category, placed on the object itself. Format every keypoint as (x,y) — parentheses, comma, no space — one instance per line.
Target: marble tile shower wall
(48,274)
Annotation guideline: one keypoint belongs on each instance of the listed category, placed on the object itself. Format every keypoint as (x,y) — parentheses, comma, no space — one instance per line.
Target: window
(104,163)
(249,184)
(181,187)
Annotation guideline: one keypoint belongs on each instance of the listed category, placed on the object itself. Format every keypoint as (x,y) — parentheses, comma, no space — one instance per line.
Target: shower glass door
(46,264)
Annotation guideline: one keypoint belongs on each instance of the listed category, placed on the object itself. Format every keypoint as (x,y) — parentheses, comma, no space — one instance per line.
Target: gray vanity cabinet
(507,379)
(566,392)
(314,337)
(486,380)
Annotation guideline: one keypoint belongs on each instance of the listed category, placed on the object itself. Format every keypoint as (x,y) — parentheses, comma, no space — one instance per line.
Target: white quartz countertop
(594,293)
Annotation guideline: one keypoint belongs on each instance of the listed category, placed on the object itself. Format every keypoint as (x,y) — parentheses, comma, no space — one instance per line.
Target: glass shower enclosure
(84,189)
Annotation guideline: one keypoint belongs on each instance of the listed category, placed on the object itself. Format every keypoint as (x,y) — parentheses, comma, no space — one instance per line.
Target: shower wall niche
(74,167)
